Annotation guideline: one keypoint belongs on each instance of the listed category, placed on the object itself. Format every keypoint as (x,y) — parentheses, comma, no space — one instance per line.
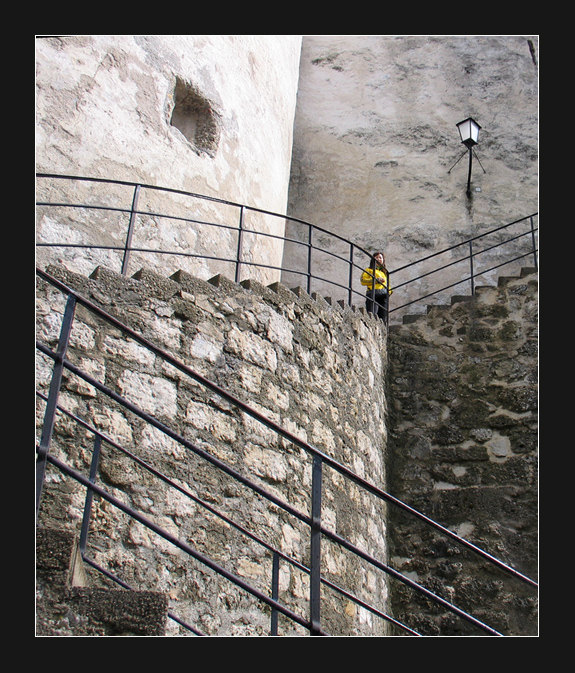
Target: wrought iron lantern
(469,132)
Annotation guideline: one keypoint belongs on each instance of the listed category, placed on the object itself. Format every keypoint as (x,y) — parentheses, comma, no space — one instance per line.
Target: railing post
(89,494)
(309,244)
(53,393)
(240,244)
(350,290)
(131,225)
(275,592)
(315,550)
(372,291)
(388,299)
(471,267)
(533,241)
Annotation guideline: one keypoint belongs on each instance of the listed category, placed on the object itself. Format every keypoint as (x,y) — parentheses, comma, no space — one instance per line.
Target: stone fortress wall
(207,114)
(375,143)
(463,448)
(235,117)
(315,369)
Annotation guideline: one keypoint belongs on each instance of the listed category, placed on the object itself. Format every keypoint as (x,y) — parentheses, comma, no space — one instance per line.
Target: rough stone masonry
(317,369)
(463,450)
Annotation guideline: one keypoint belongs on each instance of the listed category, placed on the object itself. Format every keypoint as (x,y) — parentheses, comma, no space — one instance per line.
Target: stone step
(409,319)
(146,283)
(525,271)
(150,283)
(67,606)
(413,317)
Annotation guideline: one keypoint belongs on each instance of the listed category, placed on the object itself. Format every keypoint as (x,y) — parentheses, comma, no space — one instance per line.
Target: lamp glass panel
(473,131)
(465,130)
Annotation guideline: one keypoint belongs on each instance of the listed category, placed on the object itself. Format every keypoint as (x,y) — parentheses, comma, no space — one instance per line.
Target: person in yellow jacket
(376,300)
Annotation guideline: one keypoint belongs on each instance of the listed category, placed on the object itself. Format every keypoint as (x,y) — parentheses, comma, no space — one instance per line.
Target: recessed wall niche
(194,116)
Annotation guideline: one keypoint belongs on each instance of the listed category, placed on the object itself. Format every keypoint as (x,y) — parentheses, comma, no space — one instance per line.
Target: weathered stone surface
(179,111)
(316,369)
(208,114)
(463,450)
(65,607)
(375,137)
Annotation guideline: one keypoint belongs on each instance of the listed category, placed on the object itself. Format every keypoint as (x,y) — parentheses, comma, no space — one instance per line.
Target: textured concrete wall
(314,368)
(209,114)
(464,451)
(375,136)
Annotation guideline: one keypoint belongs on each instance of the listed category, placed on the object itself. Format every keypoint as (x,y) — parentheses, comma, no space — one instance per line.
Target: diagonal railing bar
(310,521)
(317,455)
(114,578)
(202,558)
(319,458)
(216,462)
(465,259)
(467,279)
(213,510)
(463,243)
(469,258)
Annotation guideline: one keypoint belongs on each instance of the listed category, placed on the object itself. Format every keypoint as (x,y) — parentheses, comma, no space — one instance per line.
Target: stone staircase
(463,448)
(481,294)
(183,284)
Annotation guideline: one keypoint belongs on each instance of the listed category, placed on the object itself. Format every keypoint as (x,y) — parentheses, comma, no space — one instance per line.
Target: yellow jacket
(381,279)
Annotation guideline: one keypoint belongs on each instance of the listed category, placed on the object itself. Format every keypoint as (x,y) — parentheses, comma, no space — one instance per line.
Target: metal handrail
(320,459)
(102,437)
(470,257)
(238,260)
(352,266)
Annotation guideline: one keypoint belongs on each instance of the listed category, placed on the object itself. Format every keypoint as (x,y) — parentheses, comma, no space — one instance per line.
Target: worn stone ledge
(66,607)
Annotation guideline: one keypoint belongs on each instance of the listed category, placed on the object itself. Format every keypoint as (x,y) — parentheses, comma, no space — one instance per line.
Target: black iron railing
(238,224)
(521,234)
(312,519)
(350,263)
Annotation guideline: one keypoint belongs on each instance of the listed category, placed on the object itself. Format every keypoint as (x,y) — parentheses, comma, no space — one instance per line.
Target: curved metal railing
(204,227)
(234,221)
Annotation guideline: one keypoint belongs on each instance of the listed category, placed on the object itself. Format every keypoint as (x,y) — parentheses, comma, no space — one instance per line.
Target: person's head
(378,258)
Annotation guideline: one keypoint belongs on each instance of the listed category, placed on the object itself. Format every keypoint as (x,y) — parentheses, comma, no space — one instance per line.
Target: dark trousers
(379,306)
